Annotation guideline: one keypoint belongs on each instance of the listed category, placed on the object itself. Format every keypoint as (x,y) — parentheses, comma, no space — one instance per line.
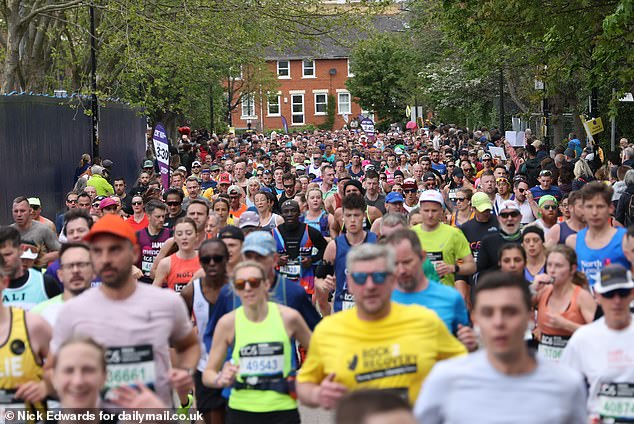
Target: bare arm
(298,327)
(571,241)
(40,334)
(552,238)
(468,265)
(162,272)
(188,296)
(222,335)
(187,351)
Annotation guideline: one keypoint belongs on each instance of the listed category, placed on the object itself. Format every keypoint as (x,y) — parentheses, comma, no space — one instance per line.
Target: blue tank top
(29,294)
(592,261)
(564,232)
(344,300)
(320,224)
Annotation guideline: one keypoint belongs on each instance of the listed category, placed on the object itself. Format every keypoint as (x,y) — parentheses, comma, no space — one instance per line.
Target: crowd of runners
(404,277)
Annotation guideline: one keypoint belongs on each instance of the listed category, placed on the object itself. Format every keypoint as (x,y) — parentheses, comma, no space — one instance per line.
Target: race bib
(551,347)
(178,287)
(146,267)
(262,360)
(347,302)
(616,402)
(292,269)
(130,364)
(434,257)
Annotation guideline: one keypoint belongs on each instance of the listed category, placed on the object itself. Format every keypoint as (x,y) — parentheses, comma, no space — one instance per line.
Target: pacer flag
(162,152)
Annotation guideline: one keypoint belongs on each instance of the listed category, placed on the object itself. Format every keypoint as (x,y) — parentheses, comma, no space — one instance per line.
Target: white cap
(510,204)
(28,254)
(431,196)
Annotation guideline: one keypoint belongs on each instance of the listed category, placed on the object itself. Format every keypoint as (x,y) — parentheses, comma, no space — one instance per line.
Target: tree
(384,71)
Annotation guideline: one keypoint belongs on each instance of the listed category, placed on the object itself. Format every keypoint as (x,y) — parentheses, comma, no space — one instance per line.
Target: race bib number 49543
(262,359)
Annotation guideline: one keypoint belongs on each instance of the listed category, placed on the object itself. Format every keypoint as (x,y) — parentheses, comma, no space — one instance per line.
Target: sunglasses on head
(213,258)
(241,283)
(509,214)
(360,278)
(622,293)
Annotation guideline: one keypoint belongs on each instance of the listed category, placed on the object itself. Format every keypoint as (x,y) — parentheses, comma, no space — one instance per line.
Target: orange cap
(112,224)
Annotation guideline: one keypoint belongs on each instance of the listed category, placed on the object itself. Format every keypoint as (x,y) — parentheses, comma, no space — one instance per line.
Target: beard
(408,285)
(117,278)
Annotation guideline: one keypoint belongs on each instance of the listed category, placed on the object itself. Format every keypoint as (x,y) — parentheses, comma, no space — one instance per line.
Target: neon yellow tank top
(18,364)
(263,352)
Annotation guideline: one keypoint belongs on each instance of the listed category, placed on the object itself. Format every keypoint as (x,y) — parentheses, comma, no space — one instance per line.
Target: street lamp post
(94,105)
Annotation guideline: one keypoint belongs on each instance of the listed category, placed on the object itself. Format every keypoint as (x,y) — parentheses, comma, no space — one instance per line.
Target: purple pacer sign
(162,152)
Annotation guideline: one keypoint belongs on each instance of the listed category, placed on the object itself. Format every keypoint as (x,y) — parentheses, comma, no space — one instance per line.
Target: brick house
(306,77)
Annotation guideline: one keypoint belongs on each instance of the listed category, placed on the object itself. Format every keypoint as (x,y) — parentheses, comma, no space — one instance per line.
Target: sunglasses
(521,190)
(241,283)
(409,190)
(95,205)
(72,202)
(460,199)
(196,166)
(214,258)
(137,203)
(360,278)
(451,165)
(509,214)
(622,293)
(550,207)
(289,186)
(35,207)
(173,203)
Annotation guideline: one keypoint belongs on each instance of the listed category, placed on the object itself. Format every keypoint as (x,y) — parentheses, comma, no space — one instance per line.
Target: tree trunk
(12,59)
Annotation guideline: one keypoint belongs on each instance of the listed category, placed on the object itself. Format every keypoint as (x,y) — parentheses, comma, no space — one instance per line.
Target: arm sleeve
(429,408)
(312,370)
(51,286)
(319,242)
(51,241)
(448,345)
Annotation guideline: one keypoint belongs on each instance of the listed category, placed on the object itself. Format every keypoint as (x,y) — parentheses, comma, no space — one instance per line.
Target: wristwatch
(457,269)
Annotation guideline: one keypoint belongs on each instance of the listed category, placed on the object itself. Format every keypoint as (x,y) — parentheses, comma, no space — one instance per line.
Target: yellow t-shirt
(395,353)
(445,244)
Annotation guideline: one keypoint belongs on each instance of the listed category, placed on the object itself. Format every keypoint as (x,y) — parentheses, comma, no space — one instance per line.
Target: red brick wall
(322,81)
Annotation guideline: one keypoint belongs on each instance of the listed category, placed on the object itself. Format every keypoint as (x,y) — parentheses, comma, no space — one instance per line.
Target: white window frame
(293,113)
(314,75)
(339,103)
(321,93)
(288,69)
(279,104)
(249,98)
(350,74)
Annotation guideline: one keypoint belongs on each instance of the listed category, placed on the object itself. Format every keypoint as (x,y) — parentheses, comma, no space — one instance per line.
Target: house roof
(339,42)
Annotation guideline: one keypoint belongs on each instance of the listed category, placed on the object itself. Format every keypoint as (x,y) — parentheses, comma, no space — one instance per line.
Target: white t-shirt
(606,358)
(469,390)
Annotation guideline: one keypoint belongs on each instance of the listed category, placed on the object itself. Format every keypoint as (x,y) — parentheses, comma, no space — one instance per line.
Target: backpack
(532,167)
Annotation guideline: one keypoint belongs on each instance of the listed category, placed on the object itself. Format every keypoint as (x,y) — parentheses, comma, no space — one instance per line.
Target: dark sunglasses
(173,203)
(509,214)
(521,190)
(361,277)
(137,203)
(213,258)
(35,207)
(241,283)
(72,202)
(289,186)
(450,165)
(410,190)
(196,166)
(95,205)
(460,199)
(622,293)
(550,207)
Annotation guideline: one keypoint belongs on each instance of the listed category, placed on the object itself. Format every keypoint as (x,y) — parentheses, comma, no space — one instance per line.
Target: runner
(147,320)
(138,220)
(563,304)
(178,269)
(599,243)
(316,216)
(415,289)
(75,272)
(548,209)
(601,350)
(43,237)
(200,297)
(524,198)
(25,338)
(545,186)
(446,246)
(152,238)
(264,202)
(233,238)
(377,343)
(331,274)
(533,244)
(260,334)
(26,288)
(505,380)
(174,201)
(509,232)
(36,209)
(512,259)
(463,211)
(300,247)
(575,223)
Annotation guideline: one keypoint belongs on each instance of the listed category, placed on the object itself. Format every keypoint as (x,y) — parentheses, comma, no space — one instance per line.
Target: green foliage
(384,68)
(329,123)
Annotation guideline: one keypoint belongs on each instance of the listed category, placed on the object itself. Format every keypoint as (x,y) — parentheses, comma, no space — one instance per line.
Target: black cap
(231,232)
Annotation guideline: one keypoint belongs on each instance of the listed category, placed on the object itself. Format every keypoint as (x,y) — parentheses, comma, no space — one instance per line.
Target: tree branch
(50,8)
